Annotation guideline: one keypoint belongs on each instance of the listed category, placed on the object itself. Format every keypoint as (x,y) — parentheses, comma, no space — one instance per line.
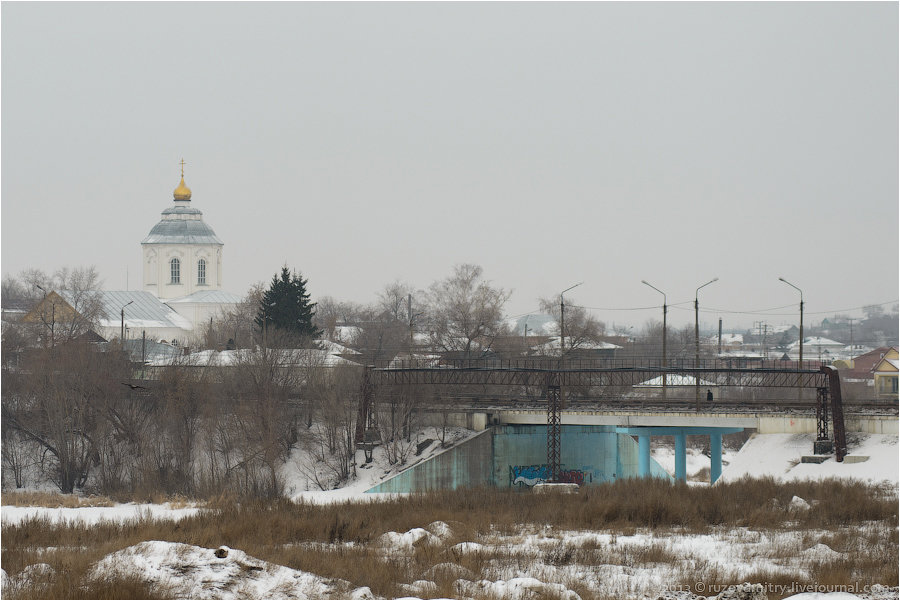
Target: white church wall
(158,271)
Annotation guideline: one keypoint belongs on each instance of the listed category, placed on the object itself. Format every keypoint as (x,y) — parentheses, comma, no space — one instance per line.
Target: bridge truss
(553,377)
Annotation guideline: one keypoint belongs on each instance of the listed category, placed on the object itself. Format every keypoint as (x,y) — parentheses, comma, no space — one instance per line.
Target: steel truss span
(600,376)
(555,376)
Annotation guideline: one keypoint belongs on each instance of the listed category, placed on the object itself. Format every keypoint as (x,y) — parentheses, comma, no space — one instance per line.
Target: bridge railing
(586,364)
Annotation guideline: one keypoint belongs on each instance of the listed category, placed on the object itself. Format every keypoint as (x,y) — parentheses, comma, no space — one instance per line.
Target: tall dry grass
(338,540)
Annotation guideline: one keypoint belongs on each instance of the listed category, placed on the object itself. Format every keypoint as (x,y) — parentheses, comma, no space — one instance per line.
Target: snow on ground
(299,486)
(694,459)
(91,515)
(544,571)
(779,455)
(190,572)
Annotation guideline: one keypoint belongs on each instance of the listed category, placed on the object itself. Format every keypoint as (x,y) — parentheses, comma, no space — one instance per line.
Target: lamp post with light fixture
(664,358)
(697,339)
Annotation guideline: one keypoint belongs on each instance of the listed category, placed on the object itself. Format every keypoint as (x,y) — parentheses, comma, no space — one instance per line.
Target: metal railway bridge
(553,378)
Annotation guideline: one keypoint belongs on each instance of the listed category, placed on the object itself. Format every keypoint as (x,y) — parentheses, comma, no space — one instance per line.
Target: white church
(182,280)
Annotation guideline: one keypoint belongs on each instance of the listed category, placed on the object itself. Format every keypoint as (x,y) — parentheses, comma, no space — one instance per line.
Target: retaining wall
(496,456)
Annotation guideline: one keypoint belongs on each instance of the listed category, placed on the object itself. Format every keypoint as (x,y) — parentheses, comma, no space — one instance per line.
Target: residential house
(886,373)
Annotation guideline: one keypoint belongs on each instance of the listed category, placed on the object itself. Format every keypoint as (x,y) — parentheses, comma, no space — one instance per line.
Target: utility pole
(697,339)
(122,335)
(664,358)
(410,315)
(799,390)
(720,336)
(525,337)
(850,319)
(562,320)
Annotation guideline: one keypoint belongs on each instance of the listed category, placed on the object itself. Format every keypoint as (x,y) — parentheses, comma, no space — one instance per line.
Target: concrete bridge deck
(764,422)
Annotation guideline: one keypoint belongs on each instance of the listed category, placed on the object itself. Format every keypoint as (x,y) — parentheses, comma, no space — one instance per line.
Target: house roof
(553,344)
(145,310)
(673,380)
(208,296)
(181,225)
(817,341)
(289,358)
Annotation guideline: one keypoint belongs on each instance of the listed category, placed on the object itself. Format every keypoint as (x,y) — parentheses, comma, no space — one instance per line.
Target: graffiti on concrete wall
(529,475)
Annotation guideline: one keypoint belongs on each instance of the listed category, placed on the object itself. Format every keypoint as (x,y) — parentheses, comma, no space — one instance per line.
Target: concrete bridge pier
(680,457)
(715,456)
(680,433)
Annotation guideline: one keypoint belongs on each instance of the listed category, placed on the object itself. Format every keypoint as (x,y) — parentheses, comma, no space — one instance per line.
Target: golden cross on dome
(182,168)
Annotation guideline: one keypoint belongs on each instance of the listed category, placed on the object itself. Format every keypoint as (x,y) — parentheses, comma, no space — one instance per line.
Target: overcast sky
(549,143)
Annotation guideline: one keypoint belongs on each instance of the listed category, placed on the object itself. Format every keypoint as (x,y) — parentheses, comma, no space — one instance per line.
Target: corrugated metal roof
(208,296)
(177,231)
(287,358)
(145,310)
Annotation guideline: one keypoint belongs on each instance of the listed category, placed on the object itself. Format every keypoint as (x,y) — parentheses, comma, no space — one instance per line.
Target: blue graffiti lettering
(529,475)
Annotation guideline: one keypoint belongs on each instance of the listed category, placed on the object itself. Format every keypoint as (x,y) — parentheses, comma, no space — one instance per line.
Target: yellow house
(59,319)
(886,374)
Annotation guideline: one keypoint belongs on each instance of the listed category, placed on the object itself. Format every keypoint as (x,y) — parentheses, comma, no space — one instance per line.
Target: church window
(201,271)
(175,269)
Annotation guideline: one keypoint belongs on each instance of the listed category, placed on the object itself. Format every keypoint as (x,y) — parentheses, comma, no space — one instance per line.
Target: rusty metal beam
(598,376)
(837,411)
(554,447)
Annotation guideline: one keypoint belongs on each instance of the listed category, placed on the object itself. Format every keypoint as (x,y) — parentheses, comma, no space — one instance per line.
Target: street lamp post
(697,339)
(801,317)
(122,335)
(664,358)
(799,390)
(52,326)
(562,320)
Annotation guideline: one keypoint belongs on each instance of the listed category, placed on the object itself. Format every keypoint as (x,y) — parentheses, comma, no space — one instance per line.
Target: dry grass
(53,499)
(315,538)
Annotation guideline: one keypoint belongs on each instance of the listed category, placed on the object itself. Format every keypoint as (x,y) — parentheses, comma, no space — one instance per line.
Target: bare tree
(582,329)
(71,302)
(56,401)
(465,312)
(329,442)
(234,329)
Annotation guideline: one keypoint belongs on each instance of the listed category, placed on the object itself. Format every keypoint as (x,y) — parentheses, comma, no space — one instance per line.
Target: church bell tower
(181,254)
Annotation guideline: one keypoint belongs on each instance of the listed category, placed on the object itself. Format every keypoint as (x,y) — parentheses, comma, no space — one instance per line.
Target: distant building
(181,254)
(182,259)
(182,273)
(816,347)
(886,373)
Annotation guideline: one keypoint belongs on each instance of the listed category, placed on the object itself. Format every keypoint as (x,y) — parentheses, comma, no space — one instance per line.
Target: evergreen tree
(285,308)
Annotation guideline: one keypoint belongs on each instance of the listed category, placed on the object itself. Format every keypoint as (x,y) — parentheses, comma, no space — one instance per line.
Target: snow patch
(514,588)
(467,547)
(408,540)
(823,552)
(440,529)
(798,504)
(191,572)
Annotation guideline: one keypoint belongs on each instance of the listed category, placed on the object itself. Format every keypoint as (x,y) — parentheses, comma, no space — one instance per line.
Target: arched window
(201,271)
(175,269)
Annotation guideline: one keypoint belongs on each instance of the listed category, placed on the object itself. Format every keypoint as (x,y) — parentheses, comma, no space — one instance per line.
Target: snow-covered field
(778,456)
(536,562)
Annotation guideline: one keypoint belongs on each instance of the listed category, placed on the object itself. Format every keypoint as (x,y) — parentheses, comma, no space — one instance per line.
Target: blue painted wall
(468,464)
(597,451)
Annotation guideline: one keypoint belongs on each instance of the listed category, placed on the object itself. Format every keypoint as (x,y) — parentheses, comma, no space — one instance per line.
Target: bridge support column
(644,455)
(680,457)
(680,433)
(715,457)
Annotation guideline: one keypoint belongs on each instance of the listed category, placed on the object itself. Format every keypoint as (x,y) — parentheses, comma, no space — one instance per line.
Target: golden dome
(182,192)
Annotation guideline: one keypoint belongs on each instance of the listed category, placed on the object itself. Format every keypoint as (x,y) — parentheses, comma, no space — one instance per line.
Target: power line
(765,311)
